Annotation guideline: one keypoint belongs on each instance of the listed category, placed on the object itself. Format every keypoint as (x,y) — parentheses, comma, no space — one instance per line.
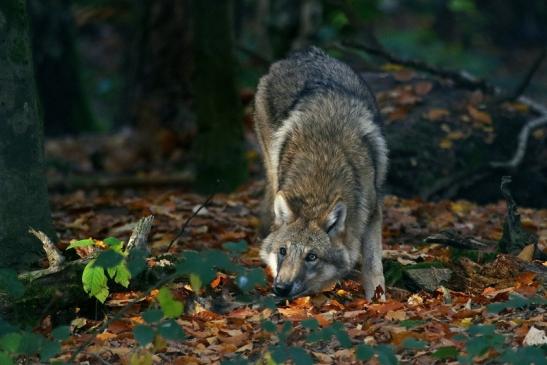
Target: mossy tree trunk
(64,104)
(23,190)
(221,165)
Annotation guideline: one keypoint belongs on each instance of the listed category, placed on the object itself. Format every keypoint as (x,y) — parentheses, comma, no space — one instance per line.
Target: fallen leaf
(535,337)
(526,278)
(479,116)
(105,336)
(294,313)
(527,253)
(423,87)
(415,300)
(404,74)
(398,315)
(436,114)
(247,347)
(446,144)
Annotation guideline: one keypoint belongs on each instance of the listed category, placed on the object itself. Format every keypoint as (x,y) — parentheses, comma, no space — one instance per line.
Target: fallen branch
(524,134)
(467,80)
(461,78)
(453,239)
(58,264)
(54,257)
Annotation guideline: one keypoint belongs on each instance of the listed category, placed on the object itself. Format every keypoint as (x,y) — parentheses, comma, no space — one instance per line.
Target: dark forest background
(164,87)
(132,121)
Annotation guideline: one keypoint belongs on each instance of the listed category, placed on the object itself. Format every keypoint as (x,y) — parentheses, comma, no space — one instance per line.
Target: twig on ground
(57,262)
(453,239)
(524,134)
(54,255)
(183,228)
(467,80)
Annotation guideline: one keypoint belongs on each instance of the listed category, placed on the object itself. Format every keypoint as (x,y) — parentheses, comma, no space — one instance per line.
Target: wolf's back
(304,73)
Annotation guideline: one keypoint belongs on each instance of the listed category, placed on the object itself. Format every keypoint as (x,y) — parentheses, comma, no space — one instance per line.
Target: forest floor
(423,326)
(444,304)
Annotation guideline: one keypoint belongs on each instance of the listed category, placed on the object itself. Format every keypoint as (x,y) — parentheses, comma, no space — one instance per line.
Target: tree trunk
(161,65)
(221,165)
(23,191)
(64,104)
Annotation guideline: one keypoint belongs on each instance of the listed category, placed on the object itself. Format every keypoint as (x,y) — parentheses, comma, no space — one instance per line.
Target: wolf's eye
(282,251)
(311,257)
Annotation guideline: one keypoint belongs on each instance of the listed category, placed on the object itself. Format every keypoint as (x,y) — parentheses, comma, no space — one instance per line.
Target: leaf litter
(423,326)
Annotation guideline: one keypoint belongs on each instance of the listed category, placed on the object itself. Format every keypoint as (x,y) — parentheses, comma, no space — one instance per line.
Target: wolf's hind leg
(372,270)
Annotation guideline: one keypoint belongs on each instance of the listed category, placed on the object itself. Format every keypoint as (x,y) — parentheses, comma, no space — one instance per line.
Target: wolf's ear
(336,220)
(282,211)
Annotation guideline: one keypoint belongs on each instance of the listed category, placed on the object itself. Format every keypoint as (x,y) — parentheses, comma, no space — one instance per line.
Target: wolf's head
(306,252)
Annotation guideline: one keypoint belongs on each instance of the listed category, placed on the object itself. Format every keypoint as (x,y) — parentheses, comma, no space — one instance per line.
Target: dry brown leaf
(446,144)
(436,114)
(526,278)
(247,347)
(105,336)
(415,300)
(398,315)
(294,313)
(455,135)
(527,253)
(186,360)
(404,75)
(423,87)
(323,358)
(323,320)
(479,116)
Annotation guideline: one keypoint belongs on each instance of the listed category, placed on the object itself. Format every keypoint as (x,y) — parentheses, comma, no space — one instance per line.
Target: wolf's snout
(282,289)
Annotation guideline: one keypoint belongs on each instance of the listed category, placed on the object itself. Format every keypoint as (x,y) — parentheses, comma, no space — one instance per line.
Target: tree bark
(160,66)
(221,165)
(23,191)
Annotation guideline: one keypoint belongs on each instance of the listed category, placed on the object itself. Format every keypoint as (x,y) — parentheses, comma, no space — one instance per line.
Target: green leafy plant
(161,321)
(110,263)
(385,353)
(336,330)
(17,343)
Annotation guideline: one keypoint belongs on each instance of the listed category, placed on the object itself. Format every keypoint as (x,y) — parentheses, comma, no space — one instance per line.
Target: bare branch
(518,156)
(453,239)
(139,236)
(54,255)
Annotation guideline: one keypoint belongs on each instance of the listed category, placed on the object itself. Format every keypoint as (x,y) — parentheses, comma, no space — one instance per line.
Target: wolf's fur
(326,159)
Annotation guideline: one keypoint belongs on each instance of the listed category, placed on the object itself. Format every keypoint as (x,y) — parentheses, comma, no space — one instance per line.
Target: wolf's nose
(281,289)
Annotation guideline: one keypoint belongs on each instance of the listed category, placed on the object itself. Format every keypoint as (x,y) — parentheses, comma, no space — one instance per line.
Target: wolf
(326,159)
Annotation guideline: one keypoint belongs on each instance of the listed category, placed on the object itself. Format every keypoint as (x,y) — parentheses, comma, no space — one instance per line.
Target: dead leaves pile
(434,318)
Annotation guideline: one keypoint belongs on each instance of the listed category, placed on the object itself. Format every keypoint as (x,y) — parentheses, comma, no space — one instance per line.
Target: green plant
(111,261)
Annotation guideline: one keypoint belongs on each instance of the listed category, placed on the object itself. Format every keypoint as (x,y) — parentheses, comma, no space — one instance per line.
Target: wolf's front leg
(372,270)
